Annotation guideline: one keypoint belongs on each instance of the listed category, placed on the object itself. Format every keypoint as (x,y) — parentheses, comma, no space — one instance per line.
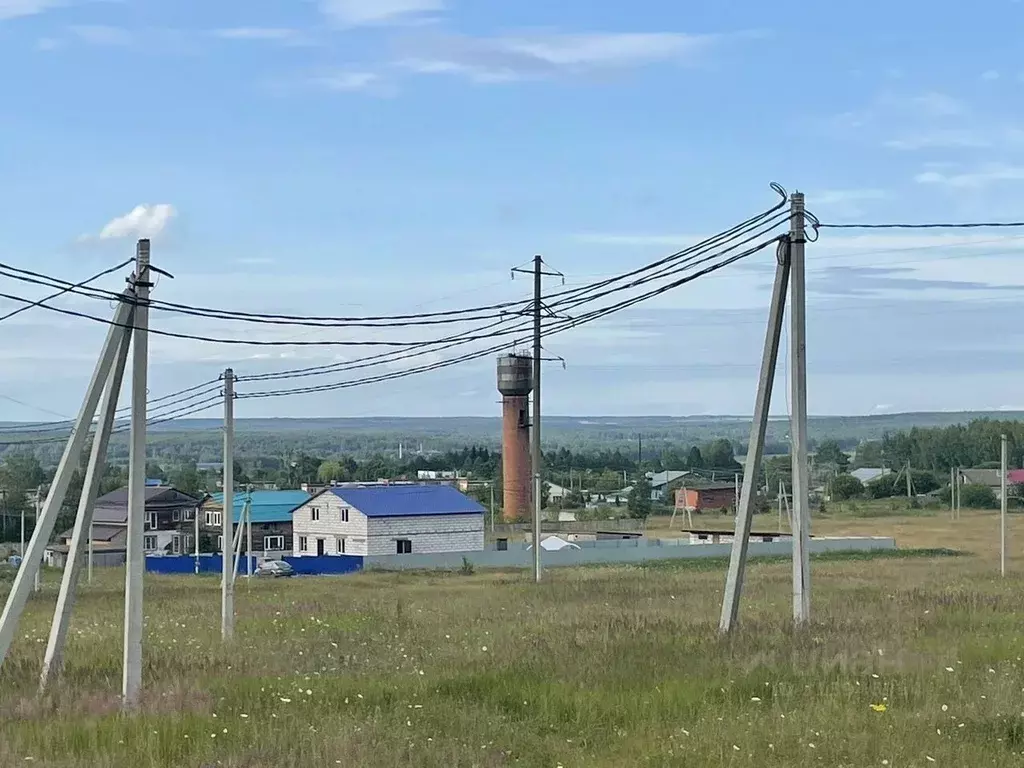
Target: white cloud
(99,34)
(990,75)
(935,139)
(14,9)
(48,44)
(372,12)
(256,33)
(504,59)
(844,202)
(142,221)
(938,104)
(349,81)
(974,179)
(283,35)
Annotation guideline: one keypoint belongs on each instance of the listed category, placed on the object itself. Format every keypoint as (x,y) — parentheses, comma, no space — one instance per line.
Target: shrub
(978,497)
(846,487)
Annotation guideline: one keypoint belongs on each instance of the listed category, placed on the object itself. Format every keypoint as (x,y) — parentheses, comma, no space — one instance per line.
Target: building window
(220,543)
(188,514)
(502,545)
(273,543)
(213,519)
(149,543)
(176,516)
(150,521)
(314,514)
(344,515)
(404,546)
(176,545)
(341,546)
(303,543)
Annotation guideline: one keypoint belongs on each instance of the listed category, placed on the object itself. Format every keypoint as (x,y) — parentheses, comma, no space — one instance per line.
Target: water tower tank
(515,375)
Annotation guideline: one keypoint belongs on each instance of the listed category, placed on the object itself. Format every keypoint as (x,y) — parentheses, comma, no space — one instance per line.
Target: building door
(319,547)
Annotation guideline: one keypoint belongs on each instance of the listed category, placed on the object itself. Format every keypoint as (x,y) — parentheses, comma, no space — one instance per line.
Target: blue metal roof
(268,506)
(408,500)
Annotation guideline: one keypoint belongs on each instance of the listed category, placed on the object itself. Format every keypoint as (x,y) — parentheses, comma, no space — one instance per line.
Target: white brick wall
(428,533)
(377,536)
(330,527)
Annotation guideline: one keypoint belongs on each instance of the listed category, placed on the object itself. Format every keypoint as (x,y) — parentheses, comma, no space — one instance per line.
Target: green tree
(846,487)
(719,455)
(868,454)
(694,459)
(978,497)
(187,478)
(830,454)
(639,503)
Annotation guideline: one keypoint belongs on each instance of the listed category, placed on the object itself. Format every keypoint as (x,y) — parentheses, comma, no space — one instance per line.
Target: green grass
(611,666)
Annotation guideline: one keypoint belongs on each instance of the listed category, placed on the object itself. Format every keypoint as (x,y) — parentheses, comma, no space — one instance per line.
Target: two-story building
(169,526)
(271,515)
(388,519)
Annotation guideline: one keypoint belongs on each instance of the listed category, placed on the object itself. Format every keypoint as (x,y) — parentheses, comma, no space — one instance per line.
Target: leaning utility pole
(790,270)
(755,448)
(131,679)
(798,375)
(53,659)
(36,585)
(227,585)
(18,594)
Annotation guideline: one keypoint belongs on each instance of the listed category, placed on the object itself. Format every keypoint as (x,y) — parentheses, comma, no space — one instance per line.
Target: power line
(68,289)
(947,225)
(558,327)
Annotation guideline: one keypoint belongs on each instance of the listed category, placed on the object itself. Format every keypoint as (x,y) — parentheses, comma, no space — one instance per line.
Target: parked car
(275,569)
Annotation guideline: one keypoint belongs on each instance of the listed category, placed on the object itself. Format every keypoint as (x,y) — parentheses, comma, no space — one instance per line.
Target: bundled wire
(559,327)
(742,234)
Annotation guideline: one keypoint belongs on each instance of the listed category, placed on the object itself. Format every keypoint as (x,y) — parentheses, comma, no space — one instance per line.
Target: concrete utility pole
(131,679)
(535,453)
(36,585)
(910,483)
(798,381)
(248,532)
(755,448)
(1002,506)
(952,493)
(53,659)
(18,595)
(227,586)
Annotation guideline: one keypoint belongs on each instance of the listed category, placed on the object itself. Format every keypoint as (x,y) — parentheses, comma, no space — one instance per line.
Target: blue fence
(333,565)
(178,564)
(306,566)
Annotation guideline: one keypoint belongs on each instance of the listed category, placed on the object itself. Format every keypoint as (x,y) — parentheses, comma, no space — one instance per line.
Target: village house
(373,519)
(706,496)
(168,528)
(271,515)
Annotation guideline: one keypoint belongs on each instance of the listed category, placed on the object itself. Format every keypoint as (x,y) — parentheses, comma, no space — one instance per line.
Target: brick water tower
(515,381)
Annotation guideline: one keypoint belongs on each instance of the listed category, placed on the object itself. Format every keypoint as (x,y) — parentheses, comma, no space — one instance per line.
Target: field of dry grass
(912,661)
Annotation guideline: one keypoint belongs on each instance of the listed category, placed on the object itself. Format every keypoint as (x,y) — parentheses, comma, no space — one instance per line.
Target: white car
(275,569)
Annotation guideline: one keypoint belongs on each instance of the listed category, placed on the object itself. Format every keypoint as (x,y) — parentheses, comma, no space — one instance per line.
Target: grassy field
(909,661)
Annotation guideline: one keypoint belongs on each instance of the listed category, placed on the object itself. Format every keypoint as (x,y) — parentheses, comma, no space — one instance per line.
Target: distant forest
(200,440)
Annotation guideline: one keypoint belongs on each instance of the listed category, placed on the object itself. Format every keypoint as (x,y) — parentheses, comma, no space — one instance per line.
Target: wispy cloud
(48,44)
(844,202)
(510,58)
(375,12)
(351,81)
(142,221)
(14,9)
(282,35)
(99,34)
(976,178)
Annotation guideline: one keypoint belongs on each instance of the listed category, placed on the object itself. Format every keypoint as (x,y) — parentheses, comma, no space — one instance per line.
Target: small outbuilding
(388,520)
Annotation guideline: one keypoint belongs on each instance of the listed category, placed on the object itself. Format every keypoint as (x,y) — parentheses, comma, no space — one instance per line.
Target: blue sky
(376,156)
